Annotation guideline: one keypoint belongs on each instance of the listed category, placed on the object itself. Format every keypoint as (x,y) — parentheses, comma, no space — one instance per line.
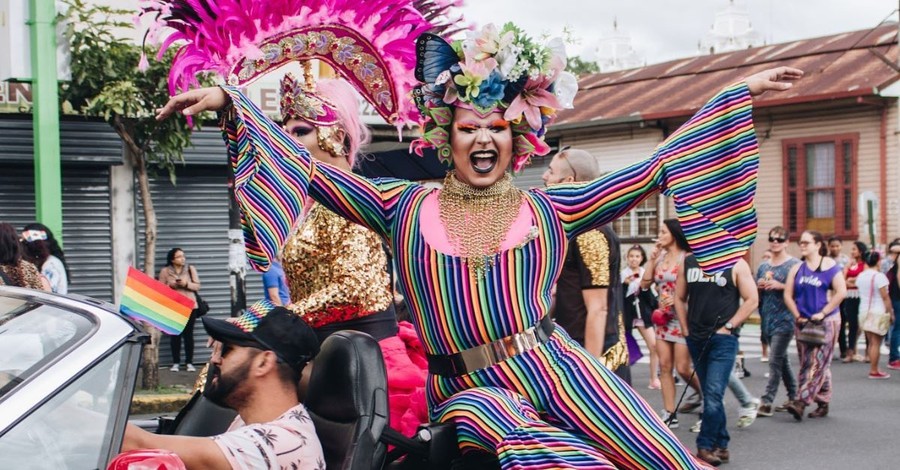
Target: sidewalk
(182,385)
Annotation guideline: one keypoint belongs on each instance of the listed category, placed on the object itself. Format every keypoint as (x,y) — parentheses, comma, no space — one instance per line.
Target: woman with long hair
(339,273)
(14,270)
(849,332)
(661,272)
(637,310)
(876,314)
(41,248)
(814,289)
(182,277)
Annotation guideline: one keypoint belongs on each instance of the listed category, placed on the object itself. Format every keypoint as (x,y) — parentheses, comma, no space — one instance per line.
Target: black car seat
(347,400)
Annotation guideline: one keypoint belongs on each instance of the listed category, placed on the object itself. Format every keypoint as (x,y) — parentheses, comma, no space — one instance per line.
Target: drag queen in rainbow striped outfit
(477,259)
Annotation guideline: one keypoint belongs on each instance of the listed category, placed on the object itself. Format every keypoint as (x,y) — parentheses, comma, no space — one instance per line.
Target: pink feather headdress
(369,43)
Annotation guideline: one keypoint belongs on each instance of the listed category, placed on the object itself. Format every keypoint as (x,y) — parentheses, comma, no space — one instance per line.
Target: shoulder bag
(202,306)
(875,322)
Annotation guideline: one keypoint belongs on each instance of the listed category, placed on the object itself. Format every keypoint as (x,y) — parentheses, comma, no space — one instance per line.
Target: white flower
(565,87)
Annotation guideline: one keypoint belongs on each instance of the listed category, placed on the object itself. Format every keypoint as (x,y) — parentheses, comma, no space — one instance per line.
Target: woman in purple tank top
(806,295)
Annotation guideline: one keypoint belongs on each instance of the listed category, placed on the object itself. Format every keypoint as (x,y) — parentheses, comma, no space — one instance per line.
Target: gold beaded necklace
(477,219)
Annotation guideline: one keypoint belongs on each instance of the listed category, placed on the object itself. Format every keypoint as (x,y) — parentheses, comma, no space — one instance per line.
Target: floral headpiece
(367,43)
(492,70)
(299,101)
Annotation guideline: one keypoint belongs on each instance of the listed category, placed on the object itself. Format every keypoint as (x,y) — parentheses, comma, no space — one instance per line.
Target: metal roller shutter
(86,221)
(193,215)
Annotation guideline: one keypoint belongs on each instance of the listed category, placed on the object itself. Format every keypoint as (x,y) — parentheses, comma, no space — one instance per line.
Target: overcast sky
(662,30)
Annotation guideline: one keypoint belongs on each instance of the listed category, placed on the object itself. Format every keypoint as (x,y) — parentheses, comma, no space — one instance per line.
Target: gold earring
(327,138)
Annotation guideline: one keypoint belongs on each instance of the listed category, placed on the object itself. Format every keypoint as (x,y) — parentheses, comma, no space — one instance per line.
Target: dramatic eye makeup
(467,127)
(300,130)
(498,125)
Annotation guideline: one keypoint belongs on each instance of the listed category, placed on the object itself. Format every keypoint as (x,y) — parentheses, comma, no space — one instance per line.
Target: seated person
(255,367)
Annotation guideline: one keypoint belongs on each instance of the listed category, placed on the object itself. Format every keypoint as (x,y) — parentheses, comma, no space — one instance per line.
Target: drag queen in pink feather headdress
(477,259)
(338,272)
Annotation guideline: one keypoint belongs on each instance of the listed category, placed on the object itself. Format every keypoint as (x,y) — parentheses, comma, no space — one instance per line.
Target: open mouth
(484,161)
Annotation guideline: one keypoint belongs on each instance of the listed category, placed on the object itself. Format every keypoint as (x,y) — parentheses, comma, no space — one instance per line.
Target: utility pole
(45,95)
(237,257)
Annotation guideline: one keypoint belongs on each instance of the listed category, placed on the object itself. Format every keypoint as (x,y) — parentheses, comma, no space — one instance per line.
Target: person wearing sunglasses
(814,289)
(255,370)
(778,323)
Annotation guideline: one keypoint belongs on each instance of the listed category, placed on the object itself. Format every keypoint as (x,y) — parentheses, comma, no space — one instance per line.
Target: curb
(157,404)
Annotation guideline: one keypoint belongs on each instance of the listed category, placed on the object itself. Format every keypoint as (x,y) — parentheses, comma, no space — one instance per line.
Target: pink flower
(530,101)
(143,64)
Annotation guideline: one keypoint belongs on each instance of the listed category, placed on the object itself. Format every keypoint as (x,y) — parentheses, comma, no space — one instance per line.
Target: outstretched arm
(274,175)
(708,166)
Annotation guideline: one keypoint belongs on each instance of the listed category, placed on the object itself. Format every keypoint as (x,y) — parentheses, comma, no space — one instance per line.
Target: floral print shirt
(289,441)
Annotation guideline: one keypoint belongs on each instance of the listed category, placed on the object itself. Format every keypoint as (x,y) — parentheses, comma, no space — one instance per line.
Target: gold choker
(478,219)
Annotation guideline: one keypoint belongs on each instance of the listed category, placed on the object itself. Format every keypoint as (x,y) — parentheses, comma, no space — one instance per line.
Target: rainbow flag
(146,299)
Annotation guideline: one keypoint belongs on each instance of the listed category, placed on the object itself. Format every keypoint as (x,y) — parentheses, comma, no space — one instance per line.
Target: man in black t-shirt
(710,311)
(588,301)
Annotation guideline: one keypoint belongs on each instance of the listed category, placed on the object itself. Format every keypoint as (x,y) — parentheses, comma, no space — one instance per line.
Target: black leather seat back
(347,400)
(202,418)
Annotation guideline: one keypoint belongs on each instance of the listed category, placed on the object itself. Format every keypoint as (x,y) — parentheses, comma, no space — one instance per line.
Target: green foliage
(581,67)
(107,83)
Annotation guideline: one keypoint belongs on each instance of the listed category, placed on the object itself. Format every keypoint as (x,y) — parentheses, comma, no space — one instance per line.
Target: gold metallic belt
(486,355)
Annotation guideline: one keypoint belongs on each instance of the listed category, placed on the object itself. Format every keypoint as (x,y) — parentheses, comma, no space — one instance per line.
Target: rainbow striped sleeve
(708,167)
(274,175)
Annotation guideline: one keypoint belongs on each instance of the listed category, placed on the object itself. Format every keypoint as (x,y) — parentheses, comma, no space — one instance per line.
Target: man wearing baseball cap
(255,370)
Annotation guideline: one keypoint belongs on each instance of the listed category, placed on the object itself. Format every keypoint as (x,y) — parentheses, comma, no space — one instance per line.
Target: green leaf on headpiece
(442,116)
(437,137)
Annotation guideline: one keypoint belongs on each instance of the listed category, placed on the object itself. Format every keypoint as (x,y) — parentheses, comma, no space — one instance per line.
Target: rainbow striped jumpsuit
(553,406)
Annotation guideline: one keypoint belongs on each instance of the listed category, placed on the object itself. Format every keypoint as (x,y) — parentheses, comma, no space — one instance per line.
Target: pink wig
(346,100)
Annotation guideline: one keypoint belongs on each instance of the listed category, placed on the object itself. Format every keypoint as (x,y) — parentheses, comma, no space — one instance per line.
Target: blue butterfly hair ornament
(491,70)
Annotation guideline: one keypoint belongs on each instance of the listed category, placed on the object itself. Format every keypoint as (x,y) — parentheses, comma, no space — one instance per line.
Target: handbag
(812,333)
(875,322)
(202,307)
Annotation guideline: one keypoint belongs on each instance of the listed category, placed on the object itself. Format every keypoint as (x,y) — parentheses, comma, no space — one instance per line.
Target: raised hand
(195,101)
(777,79)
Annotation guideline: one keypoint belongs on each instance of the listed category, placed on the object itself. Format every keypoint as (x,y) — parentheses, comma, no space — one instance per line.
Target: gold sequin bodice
(332,263)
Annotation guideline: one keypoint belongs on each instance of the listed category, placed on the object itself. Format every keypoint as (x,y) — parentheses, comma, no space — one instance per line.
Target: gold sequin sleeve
(594,249)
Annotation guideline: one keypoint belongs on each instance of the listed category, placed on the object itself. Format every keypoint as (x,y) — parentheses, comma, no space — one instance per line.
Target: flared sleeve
(274,175)
(708,167)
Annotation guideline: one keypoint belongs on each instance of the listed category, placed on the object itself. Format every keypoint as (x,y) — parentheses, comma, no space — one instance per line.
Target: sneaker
(670,419)
(190,368)
(763,359)
(895,365)
(748,414)
(696,427)
(765,409)
(709,457)
(879,376)
(174,368)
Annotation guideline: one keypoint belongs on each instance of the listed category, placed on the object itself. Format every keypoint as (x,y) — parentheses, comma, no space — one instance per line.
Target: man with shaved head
(589,295)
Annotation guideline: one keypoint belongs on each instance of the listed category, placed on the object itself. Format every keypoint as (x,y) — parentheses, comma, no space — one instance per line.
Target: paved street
(861,430)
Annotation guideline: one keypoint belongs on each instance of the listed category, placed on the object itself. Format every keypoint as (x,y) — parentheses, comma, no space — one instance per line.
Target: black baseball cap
(270,328)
